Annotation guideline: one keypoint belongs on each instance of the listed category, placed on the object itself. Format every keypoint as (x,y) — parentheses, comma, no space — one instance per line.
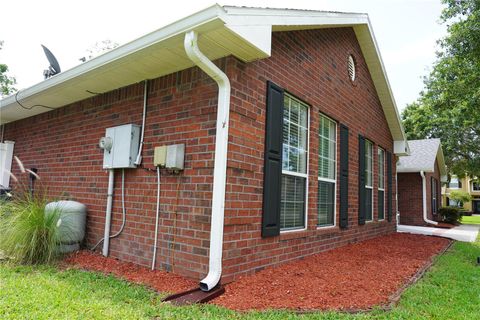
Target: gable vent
(351,68)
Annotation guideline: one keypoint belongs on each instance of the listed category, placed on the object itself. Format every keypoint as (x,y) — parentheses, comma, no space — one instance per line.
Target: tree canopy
(6,82)
(449,106)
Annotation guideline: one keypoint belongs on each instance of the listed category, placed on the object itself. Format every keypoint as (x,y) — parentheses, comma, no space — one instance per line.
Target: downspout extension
(220,164)
(424,193)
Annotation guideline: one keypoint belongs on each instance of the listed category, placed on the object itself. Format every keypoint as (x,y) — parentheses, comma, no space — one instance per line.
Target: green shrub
(450,214)
(27,235)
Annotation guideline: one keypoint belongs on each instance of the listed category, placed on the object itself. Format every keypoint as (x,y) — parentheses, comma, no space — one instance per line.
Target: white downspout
(108,213)
(424,193)
(220,164)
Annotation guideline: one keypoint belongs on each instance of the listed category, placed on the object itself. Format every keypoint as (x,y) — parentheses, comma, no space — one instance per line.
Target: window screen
(294,173)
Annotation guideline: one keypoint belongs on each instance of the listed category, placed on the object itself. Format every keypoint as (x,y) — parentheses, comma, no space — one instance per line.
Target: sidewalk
(464,232)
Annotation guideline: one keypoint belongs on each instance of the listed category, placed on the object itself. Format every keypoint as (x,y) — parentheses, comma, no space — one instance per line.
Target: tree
(449,106)
(6,82)
(460,197)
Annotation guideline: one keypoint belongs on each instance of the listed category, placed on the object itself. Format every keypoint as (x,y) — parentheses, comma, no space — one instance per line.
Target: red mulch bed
(353,277)
(159,280)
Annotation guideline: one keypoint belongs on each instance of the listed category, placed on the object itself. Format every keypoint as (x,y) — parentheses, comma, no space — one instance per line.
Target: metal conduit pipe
(108,213)
(138,161)
(157,214)
(220,164)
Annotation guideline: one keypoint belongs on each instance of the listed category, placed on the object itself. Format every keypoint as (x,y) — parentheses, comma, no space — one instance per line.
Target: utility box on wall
(120,146)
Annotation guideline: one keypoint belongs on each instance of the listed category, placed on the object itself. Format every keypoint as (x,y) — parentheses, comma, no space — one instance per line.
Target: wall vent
(351,68)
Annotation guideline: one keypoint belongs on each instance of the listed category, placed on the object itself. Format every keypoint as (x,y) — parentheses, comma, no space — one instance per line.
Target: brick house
(420,176)
(291,139)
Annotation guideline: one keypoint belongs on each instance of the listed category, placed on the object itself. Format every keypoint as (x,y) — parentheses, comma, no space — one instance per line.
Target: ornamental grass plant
(27,234)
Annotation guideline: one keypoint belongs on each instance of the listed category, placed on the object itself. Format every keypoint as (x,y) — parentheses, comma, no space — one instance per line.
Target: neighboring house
(420,176)
(293,155)
(466,184)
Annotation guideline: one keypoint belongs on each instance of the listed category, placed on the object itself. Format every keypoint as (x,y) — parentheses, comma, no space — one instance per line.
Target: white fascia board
(255,25)
(180,26)
(377,69)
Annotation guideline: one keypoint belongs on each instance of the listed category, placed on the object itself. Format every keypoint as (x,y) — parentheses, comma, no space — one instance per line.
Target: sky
(406,31)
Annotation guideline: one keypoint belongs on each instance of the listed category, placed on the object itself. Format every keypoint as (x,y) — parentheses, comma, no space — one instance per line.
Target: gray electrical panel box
(175,157)
(120,146)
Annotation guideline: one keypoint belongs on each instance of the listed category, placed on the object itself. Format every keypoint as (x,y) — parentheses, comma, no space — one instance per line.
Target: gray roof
(423,154)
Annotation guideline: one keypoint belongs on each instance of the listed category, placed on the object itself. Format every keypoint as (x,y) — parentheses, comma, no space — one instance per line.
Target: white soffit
(243,32)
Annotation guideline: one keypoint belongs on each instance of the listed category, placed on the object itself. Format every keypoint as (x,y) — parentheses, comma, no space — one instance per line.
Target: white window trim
(303,175)
(366,186)
(334,181)
(384,183)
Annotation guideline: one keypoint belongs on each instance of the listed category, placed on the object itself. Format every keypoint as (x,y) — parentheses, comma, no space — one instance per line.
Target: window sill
(304,233)
(326,227)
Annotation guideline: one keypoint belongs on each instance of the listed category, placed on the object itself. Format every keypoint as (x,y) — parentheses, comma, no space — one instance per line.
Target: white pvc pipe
(154,258)
(108,212)
(220,165)
(424,191)
(144,117)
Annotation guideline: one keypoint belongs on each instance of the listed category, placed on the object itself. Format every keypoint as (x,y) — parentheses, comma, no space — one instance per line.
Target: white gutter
(424,193)
(220,164)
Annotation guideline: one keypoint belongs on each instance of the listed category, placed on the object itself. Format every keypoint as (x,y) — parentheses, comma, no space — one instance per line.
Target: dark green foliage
(6,82)
(448,108)
(450,214)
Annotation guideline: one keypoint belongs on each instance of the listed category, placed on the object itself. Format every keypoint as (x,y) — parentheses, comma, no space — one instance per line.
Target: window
(454,183)
(294,166)
(368,181)
(381,184)
(326,172)
(475,186)
(434,196)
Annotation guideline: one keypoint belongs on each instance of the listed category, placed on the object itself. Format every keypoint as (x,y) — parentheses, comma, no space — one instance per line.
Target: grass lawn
(471,219)
(450,290)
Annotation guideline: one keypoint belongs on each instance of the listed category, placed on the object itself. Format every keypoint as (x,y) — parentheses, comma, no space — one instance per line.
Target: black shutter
(343,176)
(389,186)
(273,161)
(361,180)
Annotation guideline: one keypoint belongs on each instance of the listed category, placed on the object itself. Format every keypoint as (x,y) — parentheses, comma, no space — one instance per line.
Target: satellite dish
(54,67)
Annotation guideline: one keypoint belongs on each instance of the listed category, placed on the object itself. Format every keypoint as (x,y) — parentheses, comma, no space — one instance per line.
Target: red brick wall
(312,65)
(63,145)
(410,197)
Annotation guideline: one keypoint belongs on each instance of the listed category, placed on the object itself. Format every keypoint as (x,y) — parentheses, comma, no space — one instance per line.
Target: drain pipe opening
(220,164)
